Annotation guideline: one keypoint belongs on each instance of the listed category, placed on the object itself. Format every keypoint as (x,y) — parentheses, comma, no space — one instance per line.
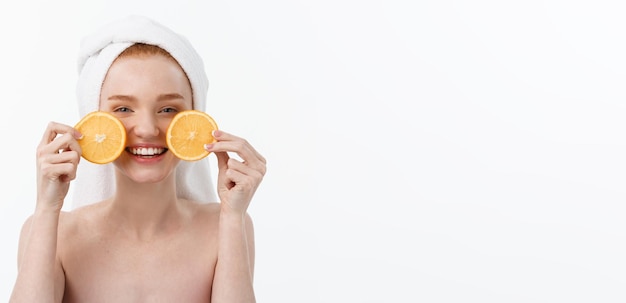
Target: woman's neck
(146,210)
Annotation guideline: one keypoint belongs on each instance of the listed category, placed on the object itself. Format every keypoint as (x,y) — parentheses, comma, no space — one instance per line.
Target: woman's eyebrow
(122,98)
(171,96)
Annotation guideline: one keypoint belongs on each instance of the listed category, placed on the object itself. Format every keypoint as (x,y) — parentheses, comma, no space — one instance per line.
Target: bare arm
(237,183)
(40,276)
(233,280)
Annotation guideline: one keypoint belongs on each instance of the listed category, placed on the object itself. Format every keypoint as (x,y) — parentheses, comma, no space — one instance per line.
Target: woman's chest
(179,269)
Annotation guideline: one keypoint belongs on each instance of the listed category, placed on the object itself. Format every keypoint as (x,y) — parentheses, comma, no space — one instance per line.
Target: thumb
(222,159)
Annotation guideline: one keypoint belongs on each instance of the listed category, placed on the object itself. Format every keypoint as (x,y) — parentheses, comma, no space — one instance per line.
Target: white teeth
(147,151)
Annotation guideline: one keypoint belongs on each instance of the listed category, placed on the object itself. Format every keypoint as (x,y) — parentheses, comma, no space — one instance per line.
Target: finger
(244,169)
(243,181)
(222,160)
(69,156)
(67,142)
(63,142)
(55,171)
(74,146)
(242,150)
(54,129)
(50,164)
(232,143)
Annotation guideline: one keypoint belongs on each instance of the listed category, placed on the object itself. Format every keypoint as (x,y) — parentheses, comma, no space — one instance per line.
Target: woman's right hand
(58,155)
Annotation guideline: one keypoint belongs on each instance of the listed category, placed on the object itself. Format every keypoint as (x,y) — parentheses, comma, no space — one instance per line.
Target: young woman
(146,240)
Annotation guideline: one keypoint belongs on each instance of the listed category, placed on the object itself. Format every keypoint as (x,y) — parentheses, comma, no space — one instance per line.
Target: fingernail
(78,135)
(208,146)
(215,133)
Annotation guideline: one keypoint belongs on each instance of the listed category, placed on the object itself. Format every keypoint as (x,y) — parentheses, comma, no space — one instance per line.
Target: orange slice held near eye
(104,137)
(188,132)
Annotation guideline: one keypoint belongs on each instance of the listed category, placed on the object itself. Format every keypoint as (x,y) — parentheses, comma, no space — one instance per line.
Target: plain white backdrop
(418,151)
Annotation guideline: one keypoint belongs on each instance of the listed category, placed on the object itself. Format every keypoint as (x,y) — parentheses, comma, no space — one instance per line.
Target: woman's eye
(169,110)
(122,110)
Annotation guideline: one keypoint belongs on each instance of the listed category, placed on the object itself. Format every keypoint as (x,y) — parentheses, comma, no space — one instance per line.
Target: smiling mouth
(146,152)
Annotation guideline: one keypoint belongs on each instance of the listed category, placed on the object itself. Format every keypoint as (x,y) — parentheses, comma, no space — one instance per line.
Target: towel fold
(96,182)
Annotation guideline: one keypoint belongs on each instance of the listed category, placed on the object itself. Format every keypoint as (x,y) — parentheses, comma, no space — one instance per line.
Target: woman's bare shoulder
(203,211)
(209,213)
(80,219)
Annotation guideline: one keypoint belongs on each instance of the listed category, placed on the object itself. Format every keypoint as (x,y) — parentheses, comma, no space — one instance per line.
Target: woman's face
(145,92)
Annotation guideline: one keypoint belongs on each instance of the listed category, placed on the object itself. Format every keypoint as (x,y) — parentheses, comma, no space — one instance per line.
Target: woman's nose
(146,126)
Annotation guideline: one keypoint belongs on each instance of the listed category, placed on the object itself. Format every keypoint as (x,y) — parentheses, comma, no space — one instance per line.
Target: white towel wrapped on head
(95,182)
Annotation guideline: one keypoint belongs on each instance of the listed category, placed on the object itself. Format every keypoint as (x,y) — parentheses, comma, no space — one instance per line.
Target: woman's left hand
(237,179)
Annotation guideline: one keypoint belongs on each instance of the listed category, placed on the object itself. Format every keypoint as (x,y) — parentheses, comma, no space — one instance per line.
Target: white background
(418,151)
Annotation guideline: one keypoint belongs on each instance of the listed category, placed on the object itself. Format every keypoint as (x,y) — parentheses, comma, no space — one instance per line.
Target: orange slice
(188,132)
(104,137)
